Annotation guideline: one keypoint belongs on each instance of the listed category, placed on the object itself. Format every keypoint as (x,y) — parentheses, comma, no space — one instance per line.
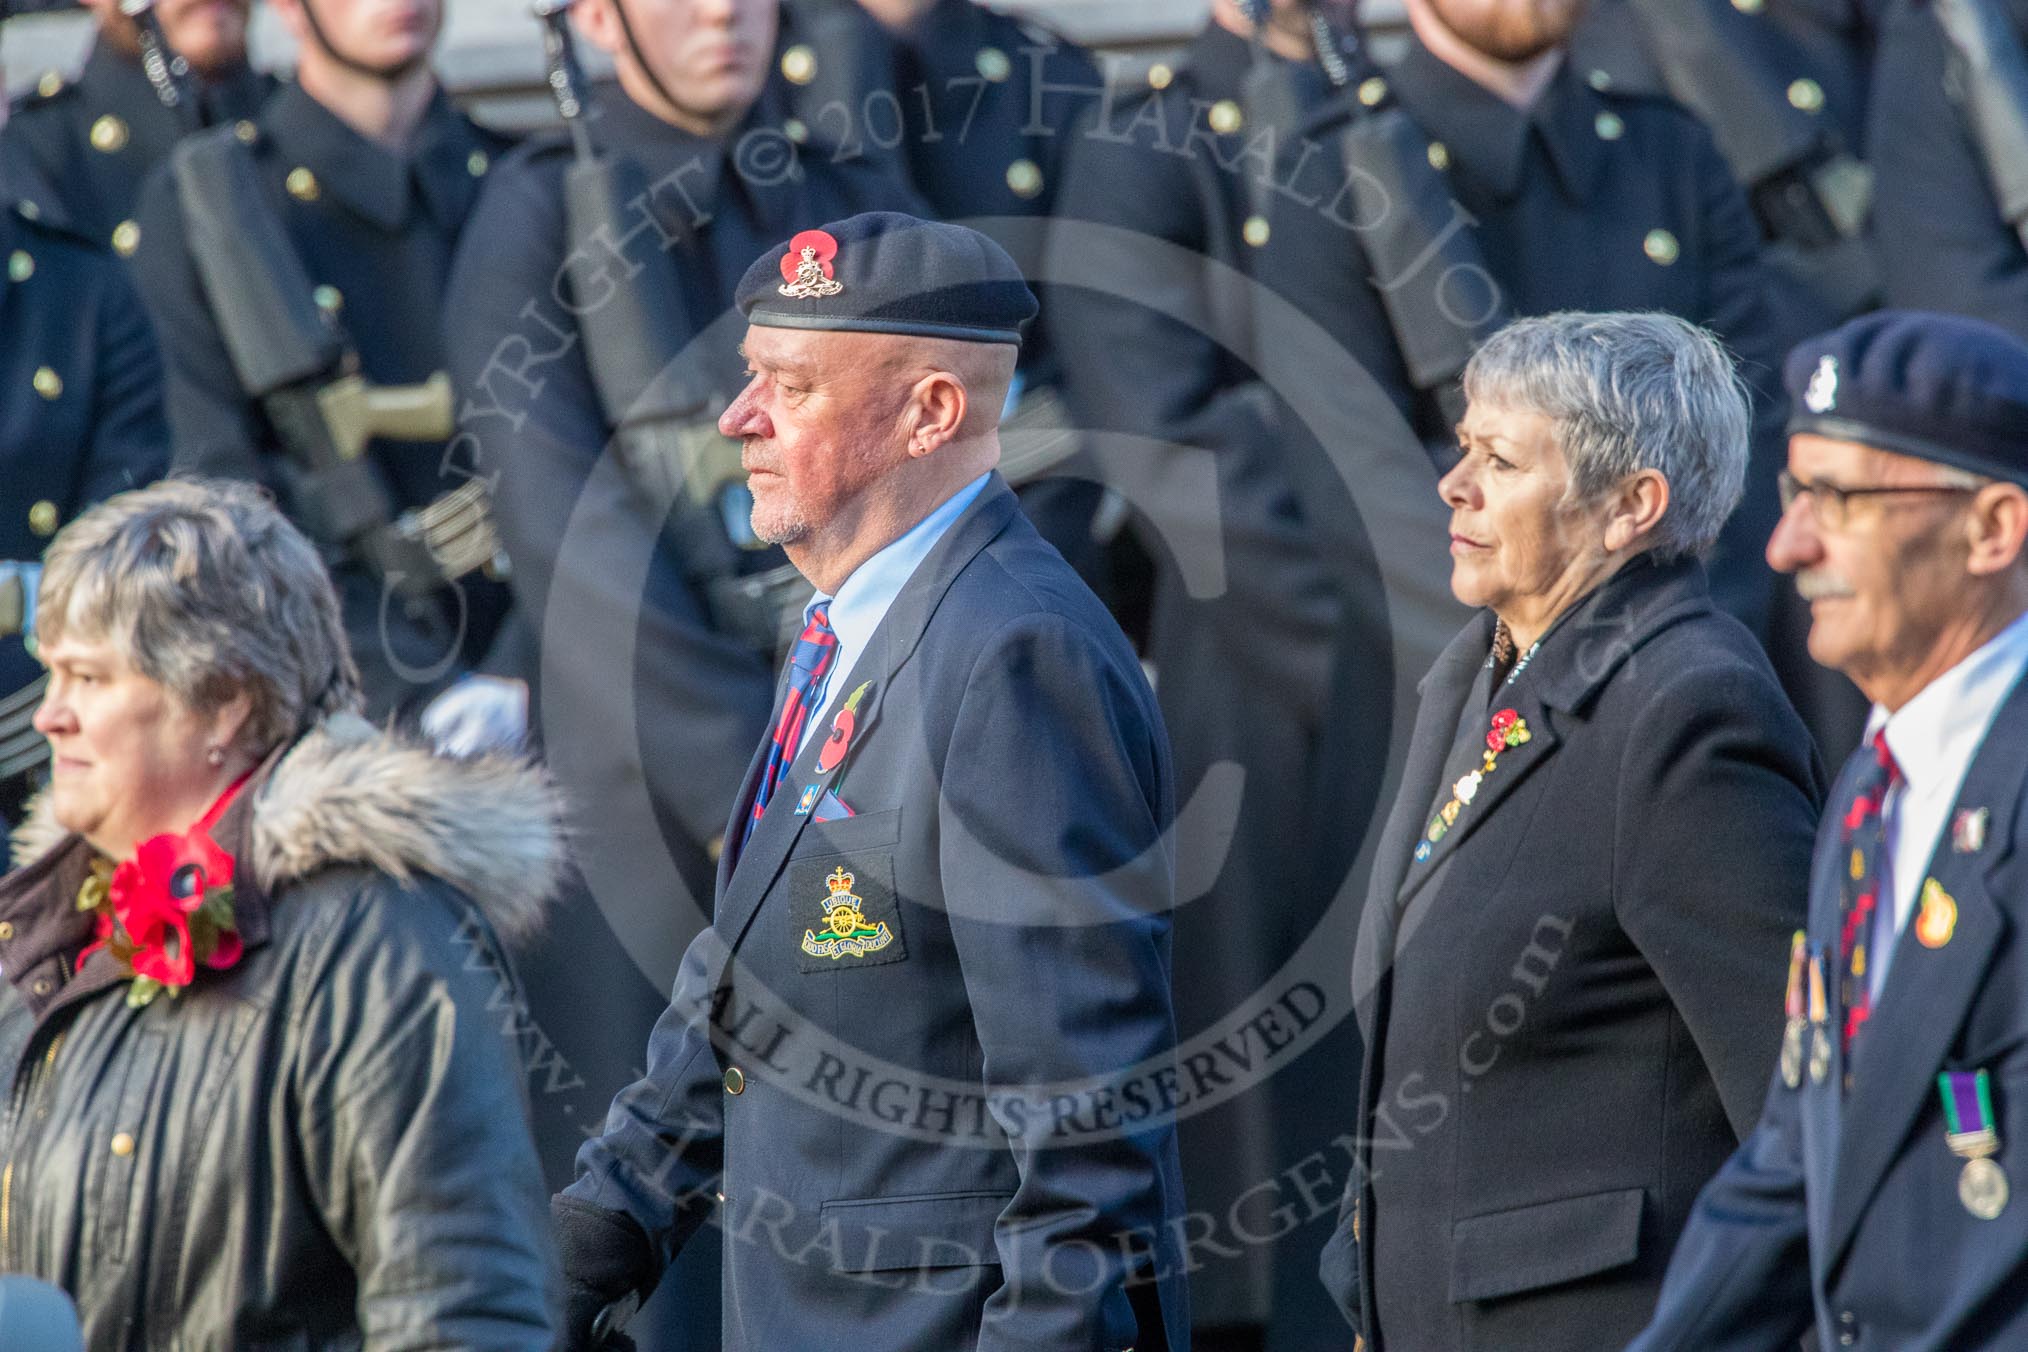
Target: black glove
(606,1260)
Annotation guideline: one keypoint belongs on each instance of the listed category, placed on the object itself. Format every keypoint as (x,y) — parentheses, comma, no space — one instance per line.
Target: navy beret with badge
(1934,386)
(883,272)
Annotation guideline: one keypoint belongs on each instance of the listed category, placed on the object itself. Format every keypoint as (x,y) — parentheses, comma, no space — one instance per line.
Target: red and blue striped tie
(1868,912)
(809,664)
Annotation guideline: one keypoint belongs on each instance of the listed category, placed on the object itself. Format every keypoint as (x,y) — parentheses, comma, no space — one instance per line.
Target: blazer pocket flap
(937,1230)
(1541,1245)
(847,835)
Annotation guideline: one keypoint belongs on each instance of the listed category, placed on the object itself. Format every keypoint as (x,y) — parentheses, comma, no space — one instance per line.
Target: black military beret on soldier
(1937,387)
(883,272)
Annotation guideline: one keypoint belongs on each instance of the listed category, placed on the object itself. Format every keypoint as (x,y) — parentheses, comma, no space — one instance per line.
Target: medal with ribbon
(1973,1136)
(1820,1022)
(1792,1005)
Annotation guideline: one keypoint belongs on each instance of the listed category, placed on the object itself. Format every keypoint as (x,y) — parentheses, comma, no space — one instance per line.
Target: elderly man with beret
(918,1060)
(1877,1190)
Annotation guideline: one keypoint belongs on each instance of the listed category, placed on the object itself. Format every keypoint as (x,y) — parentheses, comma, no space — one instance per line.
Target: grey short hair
(207,589)
(1629,392)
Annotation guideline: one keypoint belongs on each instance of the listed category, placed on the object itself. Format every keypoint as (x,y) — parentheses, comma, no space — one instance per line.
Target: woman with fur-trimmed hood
(256,1089)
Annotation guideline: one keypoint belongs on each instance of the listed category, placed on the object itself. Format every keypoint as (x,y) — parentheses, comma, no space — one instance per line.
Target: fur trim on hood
(350,794)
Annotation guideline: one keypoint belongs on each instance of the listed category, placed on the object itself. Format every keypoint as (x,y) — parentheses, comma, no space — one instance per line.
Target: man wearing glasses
(1877,1189)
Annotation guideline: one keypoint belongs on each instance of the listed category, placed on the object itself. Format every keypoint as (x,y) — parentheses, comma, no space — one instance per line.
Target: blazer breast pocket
(848,835)
(842,909)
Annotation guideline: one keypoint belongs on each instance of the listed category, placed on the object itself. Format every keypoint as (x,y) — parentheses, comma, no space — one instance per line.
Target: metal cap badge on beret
(883,272)
(1937,387)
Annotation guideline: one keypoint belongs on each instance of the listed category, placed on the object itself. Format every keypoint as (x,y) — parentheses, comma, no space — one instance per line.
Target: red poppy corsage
(167,910)
(1508,729)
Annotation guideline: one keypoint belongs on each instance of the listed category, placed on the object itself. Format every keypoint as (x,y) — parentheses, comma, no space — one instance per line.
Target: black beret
(883,272)
(1937,387)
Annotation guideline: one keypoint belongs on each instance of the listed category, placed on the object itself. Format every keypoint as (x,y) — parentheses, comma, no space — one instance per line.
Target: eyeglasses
(1831,504)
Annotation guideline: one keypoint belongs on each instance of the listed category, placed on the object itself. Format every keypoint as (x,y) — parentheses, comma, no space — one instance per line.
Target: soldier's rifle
(1992,68)
(294,359)
(653,391)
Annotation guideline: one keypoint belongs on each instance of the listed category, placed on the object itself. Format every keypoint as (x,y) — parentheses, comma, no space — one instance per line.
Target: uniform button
(1161,75)
(1609,126)
(477,163)
(1372,90)
(1255,232)
(1749,6)
(109,135)
(1601,80)
(41,986)
(1226,118)
(20,265)
(50,85)
(799,64)
(1848,1329)
(126,238)
(246,131)
(123,1144)
(1661,246)
(48,383)
(1807,95)
(1439,156)
(42,518)
(1025,178)
(6,930)
(735,1080)
(796,130)
(993,64)
(30,210)
(303,185)
(329,298)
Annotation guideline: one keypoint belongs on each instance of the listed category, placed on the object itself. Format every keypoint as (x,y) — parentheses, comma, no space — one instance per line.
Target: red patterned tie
(809,664)
(1865,844)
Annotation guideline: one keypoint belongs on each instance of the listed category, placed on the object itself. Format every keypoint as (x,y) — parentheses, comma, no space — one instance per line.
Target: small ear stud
(214,756)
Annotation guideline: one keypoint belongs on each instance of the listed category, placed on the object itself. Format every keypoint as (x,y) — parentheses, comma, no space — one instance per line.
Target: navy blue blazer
(1849,1203)
(933,1119)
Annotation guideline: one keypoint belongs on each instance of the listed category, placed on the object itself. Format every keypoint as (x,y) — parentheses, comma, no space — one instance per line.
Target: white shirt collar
(1934,736)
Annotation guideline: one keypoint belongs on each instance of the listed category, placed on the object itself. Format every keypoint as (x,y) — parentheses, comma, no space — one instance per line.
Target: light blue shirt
(1933,738)
(864,598)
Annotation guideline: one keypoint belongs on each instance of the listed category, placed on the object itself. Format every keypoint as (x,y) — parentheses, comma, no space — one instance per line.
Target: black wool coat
(1569,1000)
